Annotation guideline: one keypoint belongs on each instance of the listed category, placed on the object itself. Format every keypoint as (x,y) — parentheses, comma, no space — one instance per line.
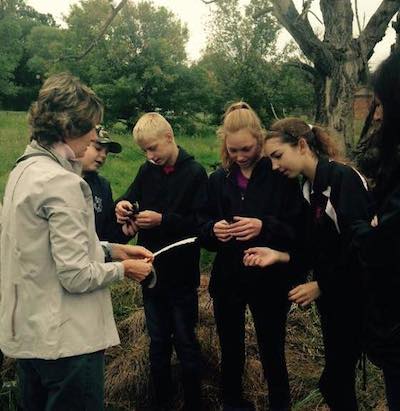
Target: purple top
(241,180)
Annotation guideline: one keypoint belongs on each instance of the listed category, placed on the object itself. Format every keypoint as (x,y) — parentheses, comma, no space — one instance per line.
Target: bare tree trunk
(340,60)
(336,97)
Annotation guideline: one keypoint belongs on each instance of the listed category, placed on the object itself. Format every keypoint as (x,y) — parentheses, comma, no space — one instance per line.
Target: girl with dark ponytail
(337,197)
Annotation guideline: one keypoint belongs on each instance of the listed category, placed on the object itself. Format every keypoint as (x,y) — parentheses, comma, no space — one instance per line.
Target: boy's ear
(169,136)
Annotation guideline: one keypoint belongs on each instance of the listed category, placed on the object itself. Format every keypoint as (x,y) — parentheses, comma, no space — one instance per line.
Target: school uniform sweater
(379,250)
(107,228)
(338,200)
(177,193)
(277,202)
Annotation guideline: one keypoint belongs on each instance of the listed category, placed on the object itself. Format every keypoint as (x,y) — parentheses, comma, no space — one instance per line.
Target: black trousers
(341,331)
(171,319)
(71,383)
(392,385)
(269,309)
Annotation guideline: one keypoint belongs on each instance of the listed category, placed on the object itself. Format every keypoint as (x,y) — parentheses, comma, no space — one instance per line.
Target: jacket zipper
(14,311)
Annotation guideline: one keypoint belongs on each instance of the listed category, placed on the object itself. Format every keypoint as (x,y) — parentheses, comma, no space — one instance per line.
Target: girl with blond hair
(250,205)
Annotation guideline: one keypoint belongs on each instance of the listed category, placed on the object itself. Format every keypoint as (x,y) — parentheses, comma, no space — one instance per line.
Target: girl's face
(287,159)
(242,148)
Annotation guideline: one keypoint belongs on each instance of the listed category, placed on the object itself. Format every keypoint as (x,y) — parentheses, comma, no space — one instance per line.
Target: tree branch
(357,17)
(396,25)
(107,23)
(302,32)
(361,42)
(306,68)
(377,25)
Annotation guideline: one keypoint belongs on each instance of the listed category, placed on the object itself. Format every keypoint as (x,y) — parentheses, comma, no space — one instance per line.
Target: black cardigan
(107,228)
(277,202)
(339,201)
(379,250)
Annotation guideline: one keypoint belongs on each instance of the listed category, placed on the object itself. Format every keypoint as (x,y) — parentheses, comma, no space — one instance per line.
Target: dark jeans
(392,385)
(341,336)
(71,383)
(171,319)
(269,310)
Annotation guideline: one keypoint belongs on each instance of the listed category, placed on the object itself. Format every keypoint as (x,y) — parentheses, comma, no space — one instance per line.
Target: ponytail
(291,129)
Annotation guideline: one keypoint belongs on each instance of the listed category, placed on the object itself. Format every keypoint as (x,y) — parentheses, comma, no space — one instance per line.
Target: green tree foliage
(16,22)
(243,62)
(137,66)
(10,55)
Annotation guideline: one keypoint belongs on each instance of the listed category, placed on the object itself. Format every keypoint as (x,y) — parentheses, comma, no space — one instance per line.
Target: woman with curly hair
(56,316)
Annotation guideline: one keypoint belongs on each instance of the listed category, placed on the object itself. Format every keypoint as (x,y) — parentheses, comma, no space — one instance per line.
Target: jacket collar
(321,180)
(59,154)
(322,175)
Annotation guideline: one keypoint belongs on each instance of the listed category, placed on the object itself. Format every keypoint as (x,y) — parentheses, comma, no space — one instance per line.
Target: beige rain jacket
(54,297)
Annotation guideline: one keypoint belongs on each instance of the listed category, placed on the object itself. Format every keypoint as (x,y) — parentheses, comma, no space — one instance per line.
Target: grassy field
(127,373)
(120,169)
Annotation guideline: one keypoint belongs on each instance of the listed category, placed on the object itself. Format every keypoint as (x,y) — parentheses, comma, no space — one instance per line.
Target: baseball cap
(104,139)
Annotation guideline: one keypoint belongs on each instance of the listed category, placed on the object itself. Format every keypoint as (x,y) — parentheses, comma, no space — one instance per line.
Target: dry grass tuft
(127,375)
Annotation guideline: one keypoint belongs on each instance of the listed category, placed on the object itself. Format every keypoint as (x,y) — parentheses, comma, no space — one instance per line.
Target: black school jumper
(277,202)
(379,251)
(171,307)
(338,201)
(107,228)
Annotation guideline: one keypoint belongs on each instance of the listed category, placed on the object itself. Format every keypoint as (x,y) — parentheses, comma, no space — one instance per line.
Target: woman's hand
(264,257)
(137,269)
(121,252)
(305,294)
(221,231)
(245,228)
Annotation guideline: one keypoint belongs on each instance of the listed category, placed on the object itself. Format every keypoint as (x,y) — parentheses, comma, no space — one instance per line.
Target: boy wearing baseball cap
(95,157)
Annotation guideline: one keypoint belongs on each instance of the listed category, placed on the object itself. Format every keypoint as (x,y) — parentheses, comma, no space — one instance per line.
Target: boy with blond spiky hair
(170,188)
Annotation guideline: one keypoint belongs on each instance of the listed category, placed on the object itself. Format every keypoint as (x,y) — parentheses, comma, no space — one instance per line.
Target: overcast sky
(195,14)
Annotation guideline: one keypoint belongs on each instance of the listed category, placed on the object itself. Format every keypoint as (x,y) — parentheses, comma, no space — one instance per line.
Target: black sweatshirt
(107,228)
(339,200)
(379,249)
(277,202)
(178,196)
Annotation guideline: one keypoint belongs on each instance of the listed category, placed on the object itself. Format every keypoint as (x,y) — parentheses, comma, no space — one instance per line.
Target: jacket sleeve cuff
(121,270)
(107,248)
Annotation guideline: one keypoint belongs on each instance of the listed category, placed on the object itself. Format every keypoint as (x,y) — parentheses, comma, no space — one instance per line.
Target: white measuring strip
(173,245)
